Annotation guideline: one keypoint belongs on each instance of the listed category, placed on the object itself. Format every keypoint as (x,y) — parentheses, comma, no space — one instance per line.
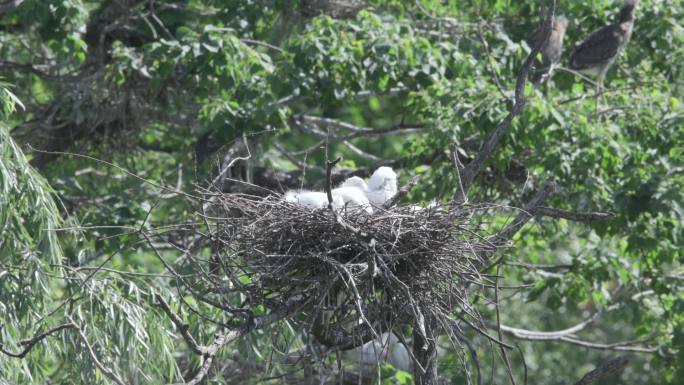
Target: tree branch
(182,327)
(473,168)
(328,180)
(310,124)
(210,351)
(566,336)
(509,370)
(401,193)
(573,216)
(524,216)
(31,342)
(546,336)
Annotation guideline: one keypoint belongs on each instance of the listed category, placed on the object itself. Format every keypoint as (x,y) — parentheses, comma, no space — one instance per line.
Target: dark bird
(551,49)
(597,53)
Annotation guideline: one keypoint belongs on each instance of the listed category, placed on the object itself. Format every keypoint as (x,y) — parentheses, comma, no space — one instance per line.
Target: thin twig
(328,180)
(495,77)
(573,216)
(29,343)
(460,196)
(401,193)
(182,327)
(509,370)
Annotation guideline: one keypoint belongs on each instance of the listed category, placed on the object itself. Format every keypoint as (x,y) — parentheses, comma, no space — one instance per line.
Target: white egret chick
(353,197)
(313,199)
(357,182)
(382,186)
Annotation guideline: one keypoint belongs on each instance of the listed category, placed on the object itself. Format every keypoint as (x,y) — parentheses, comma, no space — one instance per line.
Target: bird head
(560,23)
(627,12)
(384,178)
(357,182)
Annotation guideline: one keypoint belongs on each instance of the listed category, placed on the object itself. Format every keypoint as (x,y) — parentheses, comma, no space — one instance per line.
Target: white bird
(382,186)
(353,197)
(357,182)
(313,199)
(387,349)
(342,197)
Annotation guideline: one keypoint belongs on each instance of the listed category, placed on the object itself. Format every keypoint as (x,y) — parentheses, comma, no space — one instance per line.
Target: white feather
(383,177)
(382,186)
(357,182)
(312,199)
(353,197)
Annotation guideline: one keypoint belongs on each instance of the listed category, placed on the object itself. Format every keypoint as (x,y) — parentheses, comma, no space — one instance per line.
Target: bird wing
(597,49)
(534,38)
(543,65)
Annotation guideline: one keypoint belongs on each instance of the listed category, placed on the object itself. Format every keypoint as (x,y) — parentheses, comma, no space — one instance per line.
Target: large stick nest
(392,267)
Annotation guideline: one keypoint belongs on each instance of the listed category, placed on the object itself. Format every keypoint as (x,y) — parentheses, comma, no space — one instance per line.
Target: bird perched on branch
(597,53)
(551,49)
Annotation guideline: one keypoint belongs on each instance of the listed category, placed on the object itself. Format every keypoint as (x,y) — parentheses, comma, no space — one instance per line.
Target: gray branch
(473,168)
(574,216)
(524,216)
(31,342)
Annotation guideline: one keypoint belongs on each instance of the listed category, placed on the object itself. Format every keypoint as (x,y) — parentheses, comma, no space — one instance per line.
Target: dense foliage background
(122,105)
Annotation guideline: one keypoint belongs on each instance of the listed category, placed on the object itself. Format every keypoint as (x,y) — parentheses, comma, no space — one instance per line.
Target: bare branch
(261,43)
(509,370)
(460,194)
(507,234)
(490,66)
(360,152)
(539,266)
(473,168)
(210,351)
(182,327)
(625,346)
(566,336)
(573,216)
(311,125)
(401,193)
(328,180)
(546,336)
(473,354)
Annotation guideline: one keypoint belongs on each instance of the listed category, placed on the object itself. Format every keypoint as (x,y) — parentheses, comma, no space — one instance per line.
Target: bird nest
(350,268)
